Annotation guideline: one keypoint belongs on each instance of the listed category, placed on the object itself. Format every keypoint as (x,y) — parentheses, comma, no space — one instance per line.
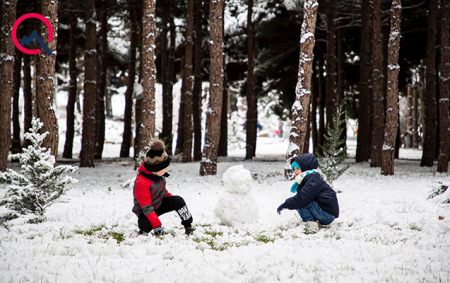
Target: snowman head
(237,179)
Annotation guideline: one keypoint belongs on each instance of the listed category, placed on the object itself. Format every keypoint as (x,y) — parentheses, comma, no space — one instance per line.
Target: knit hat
(157,158)
(295,164)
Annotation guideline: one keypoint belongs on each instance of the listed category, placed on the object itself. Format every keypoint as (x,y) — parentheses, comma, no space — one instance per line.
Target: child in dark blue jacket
(315,200)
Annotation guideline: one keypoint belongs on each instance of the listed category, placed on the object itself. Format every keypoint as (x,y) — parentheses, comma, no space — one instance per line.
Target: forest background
(250,49)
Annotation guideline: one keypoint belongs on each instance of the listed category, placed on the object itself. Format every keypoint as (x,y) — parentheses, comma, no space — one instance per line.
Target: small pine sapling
(334,150)
(39,184)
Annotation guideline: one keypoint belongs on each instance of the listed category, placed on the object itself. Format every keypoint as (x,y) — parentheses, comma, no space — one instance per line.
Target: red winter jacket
(149,190)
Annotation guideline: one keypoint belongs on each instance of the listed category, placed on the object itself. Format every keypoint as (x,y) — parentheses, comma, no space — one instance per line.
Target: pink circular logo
(33,36)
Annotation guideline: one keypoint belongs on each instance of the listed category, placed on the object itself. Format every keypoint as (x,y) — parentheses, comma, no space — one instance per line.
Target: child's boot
(189,230)
(312,226)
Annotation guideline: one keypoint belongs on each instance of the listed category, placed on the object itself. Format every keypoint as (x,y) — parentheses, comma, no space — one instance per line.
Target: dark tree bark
(73,73)
(409,114)
(170,82)
(197,91)
(322,100)
(28,97)
(391,127)
(147,114)
(331,67)
(127,130)
(429,144)
(208,165)
(45,86)
(363,149)
(167,98)
(223,141)
(444,84)
(180,131)
(100,105)
(252,98)
(15,145)
(314,95)
(415,115)
(7,51)
(189,78)
(378,89)
(341,82)
(300,109)
(90,88)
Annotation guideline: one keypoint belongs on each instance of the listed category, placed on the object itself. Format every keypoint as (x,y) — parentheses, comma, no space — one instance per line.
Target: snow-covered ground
(388,231)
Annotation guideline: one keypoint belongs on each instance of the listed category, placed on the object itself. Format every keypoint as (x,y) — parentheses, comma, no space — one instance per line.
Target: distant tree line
(364,53)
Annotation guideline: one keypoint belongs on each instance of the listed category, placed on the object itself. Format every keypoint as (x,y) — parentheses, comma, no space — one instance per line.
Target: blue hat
(295,164)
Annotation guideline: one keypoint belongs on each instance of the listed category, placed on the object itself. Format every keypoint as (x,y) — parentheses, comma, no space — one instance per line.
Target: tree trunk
(378,80)
(100,105)
(28,97)
(197,91)
(252,98)
(189,78)
(363,148)
(429,144)
(314,95)
(208,165)
(127,127)
(390,130)
(322,100)
(90,88)
(15,146)
(7,51)
(444,81)
(331,67)
(300,109)
(147,125)
(415,116)
(341,83)
(170,78)
(180,131)
(45,89)
(167,99)
(70,109)
(409,116)
(137,105)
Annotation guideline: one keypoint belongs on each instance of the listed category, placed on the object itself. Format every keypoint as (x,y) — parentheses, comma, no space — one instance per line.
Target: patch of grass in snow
(414,226)
(213,233)
(101,232)
(264,239)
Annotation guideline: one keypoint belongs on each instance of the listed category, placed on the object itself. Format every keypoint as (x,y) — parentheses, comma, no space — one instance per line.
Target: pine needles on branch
(334,150)
(39,184)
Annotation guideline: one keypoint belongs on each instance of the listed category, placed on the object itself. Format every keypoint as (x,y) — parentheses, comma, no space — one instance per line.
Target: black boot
(189,230)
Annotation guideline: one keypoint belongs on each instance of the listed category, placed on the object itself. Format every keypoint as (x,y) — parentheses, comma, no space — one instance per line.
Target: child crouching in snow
(151,198)
(315,200)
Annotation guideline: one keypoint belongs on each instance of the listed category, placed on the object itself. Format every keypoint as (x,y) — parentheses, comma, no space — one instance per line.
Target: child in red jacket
(151,198)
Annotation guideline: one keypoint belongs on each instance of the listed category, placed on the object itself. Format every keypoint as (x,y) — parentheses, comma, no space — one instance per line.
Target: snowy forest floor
(388,231)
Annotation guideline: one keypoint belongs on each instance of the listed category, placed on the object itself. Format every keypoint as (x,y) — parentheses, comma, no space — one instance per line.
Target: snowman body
(236,206)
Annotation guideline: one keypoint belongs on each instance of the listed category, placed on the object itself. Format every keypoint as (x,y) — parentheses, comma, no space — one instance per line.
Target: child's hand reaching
(280,208)
(159,231)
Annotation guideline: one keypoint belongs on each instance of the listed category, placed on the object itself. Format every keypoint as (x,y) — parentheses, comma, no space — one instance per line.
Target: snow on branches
(39,184)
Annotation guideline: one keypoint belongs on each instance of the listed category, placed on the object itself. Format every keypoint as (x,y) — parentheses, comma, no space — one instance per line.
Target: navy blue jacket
(313,188)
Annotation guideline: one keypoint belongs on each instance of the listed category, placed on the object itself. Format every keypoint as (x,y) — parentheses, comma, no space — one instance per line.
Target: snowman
(236,206)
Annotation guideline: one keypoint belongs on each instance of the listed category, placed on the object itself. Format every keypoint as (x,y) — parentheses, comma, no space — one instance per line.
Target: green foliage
(39,184)
(334,150)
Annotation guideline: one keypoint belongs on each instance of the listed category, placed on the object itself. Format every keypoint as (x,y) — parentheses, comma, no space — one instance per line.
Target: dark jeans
(313,212)
(168,204)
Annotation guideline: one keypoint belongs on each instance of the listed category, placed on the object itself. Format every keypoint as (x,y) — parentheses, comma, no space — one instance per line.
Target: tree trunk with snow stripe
(208,165)
(390,129)
(444,80)
(7,51)
(189,78)
(300,109)
(147,125)
(45,84)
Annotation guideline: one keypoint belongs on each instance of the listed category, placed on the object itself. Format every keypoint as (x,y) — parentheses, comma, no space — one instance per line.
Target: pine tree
(334,150)
(39,184)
